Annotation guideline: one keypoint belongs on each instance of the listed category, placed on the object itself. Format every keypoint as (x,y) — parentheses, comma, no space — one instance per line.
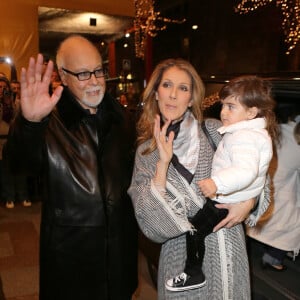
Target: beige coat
(280,226)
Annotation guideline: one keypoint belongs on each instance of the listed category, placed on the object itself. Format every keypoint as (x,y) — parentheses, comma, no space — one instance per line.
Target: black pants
(204,222)
(275,252)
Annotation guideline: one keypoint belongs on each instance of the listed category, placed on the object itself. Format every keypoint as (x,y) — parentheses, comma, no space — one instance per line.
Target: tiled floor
(19,241)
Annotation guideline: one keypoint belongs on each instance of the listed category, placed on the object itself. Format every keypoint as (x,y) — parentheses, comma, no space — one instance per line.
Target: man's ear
(62,77)
(252,112)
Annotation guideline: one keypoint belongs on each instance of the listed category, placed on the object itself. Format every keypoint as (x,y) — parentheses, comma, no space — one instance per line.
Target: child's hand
(207,187)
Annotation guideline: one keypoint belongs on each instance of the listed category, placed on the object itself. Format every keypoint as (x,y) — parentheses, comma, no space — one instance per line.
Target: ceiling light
(8,60)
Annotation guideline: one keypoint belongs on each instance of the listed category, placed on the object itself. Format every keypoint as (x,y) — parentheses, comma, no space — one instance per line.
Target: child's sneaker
(185,282)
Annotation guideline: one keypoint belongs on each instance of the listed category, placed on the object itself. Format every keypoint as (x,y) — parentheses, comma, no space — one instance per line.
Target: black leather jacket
(85,162)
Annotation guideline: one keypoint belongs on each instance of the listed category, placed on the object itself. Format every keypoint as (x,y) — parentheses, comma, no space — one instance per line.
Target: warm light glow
(127,35)
(291,18)
(210,100)
(120,86)
(8,60)
(146,23)
(195,27)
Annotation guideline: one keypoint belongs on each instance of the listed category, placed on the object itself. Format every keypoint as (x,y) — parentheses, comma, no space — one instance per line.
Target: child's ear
(252,112)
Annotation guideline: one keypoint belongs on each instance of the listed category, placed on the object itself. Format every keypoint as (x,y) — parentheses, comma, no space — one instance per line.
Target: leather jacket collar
(72,112)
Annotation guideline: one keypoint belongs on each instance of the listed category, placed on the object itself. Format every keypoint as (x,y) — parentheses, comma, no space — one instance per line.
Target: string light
(148,22)
(291,19)
(210,100)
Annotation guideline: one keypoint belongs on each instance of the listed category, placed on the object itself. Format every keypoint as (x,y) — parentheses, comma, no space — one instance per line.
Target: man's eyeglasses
(86,75)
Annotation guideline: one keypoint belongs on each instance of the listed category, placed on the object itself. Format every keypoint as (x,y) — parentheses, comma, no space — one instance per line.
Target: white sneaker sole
(185,288)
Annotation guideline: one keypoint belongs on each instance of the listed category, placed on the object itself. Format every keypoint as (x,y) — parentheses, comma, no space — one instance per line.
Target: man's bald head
(73,48)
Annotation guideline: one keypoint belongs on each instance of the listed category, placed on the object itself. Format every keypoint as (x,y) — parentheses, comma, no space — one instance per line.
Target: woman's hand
(36,103)
(237,213)
(165,149)
(164,143)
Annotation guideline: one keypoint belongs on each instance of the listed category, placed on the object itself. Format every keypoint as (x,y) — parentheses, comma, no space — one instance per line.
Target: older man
(75,139)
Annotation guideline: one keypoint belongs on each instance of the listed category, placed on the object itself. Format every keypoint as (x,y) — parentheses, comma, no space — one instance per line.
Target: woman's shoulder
(144,147)
(212,124)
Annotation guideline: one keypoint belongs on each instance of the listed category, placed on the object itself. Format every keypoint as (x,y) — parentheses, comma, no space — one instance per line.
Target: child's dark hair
(253,91)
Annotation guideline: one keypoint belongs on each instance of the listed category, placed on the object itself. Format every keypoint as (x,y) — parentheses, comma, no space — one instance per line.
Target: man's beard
(93,104)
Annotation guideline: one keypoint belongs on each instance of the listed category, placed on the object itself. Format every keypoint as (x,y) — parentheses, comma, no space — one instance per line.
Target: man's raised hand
(36,102)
